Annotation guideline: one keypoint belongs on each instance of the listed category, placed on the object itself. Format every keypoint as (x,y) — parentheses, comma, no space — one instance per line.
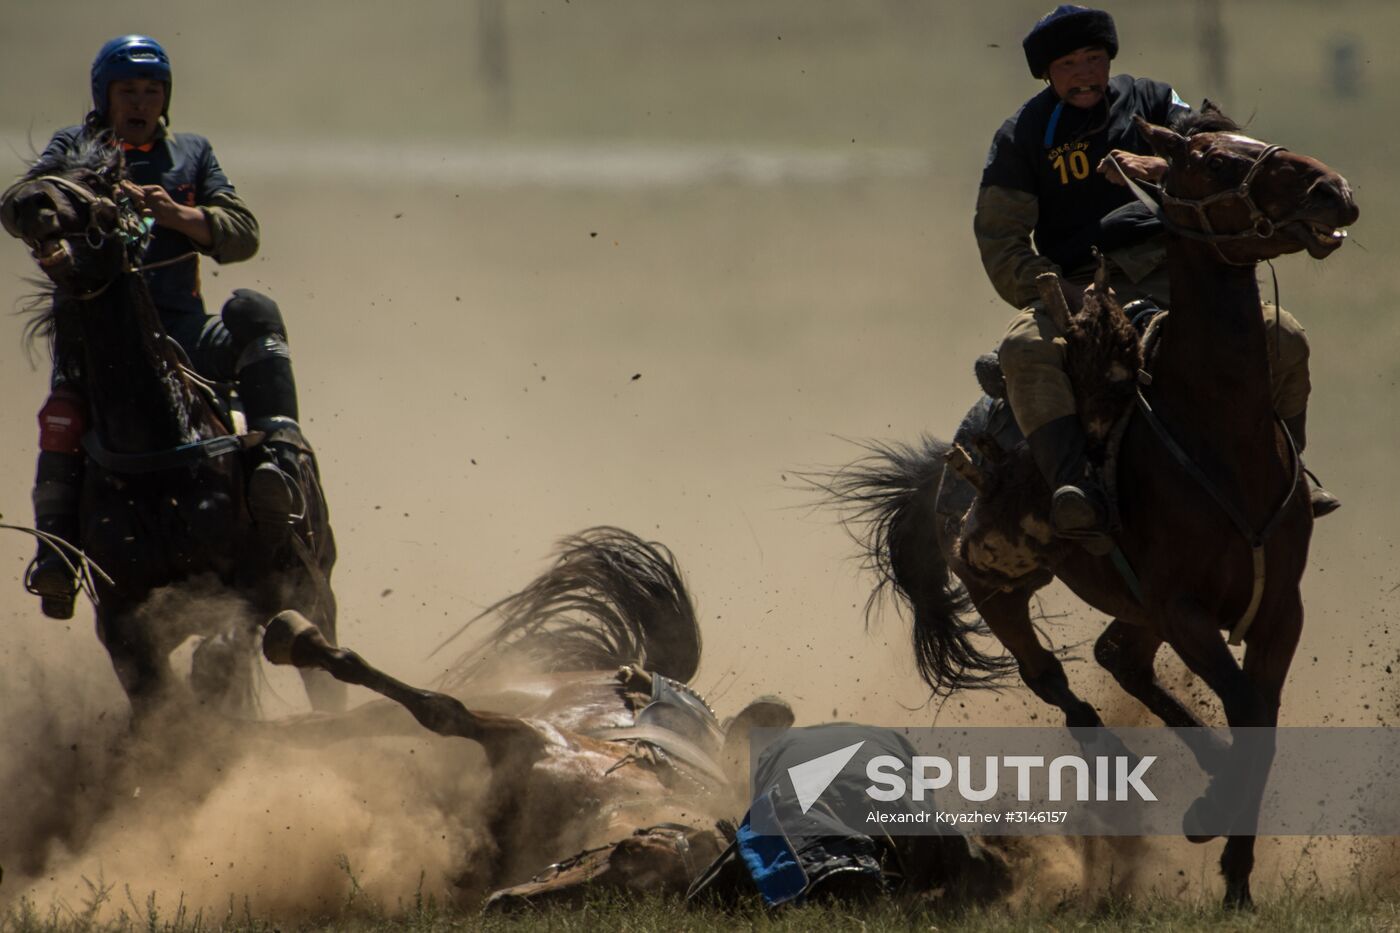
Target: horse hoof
(282,633)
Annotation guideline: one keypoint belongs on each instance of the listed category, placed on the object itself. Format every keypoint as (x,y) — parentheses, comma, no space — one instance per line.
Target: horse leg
(305,587)
(1008,616)
(1267,659)
(290,638)
(1197,638)
(144,674)
(325,693)
(1128,652)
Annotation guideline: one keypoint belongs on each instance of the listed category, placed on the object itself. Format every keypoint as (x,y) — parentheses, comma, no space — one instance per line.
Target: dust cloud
(509,342)
(220,819)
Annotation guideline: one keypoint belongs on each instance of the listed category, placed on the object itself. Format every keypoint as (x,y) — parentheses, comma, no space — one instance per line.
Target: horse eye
(1215,163)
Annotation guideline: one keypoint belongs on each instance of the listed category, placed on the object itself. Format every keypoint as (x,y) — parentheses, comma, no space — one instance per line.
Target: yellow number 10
(1078,166)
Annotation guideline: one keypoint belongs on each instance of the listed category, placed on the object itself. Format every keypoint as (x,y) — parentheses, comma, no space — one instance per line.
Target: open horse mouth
(53,252)
(1323,238)
(1331,208)
(1320,238)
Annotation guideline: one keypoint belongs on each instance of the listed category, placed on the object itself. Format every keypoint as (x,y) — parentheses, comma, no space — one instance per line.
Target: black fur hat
(1064,29)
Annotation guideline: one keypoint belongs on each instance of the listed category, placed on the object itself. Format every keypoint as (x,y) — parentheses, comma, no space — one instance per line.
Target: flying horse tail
(887,499)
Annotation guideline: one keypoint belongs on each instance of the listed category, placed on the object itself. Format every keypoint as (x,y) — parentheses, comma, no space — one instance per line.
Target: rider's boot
(57,488)
(51,575)
(58,481)
(1323,502)
(1078,506)
(275,497)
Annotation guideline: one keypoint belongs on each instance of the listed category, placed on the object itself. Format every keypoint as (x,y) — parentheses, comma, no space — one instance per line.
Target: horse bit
(135,231)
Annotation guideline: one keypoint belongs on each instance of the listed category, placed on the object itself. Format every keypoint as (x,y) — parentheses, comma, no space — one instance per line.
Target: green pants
(1033,360)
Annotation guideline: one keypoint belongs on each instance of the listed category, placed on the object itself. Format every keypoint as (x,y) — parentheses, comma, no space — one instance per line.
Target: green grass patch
(104,914)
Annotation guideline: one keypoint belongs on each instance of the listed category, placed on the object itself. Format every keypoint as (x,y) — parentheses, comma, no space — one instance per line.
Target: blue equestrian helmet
(1064,29)
(129,57)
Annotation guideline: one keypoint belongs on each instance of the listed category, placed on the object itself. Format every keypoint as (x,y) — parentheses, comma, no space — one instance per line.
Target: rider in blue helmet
(1047,199)
(125,58)
(175,180)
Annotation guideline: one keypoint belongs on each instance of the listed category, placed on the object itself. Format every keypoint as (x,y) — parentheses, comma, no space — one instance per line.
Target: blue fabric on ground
(771,861)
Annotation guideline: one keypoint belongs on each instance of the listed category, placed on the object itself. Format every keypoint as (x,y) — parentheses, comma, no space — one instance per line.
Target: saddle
(994,419)
(228,411)
(673,728)
(1000,516)
(222,398)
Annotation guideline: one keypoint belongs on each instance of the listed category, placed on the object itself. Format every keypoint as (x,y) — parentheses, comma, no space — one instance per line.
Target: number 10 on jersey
(1076,163)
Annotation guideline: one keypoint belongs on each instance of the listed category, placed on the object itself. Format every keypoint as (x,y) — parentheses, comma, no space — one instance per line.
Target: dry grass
(1300,914)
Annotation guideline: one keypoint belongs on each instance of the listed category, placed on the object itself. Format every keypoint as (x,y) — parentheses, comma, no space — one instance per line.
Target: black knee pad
(250,315)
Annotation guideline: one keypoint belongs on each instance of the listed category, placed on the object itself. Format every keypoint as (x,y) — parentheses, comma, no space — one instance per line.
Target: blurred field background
(635,263)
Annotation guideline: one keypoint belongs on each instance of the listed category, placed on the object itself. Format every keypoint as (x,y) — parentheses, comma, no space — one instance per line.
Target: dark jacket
(184,165)
(1042,203)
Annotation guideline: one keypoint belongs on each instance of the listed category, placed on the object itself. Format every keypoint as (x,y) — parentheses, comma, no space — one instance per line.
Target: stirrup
(53,582)
(1076,516)
(274,496)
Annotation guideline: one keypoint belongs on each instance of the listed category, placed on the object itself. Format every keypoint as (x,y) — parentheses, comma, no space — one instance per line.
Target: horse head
(75,219)
(1251,200)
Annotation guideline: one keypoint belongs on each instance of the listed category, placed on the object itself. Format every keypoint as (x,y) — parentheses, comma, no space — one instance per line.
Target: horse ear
(1209,106)
(1166,143)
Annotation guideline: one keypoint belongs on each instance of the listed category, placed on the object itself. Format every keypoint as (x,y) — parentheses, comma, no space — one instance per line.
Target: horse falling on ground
(607,772)
(162,503)
(594,733)
(1217,532)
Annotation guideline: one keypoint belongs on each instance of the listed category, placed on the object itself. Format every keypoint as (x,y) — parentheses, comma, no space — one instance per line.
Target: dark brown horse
(1217,533)
(163,497)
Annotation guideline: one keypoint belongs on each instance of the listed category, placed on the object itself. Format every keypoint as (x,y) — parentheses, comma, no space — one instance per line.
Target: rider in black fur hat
(1064,29)
(1047,200)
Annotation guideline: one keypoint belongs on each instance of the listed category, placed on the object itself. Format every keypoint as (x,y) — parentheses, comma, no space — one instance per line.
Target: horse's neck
(1212,369)
(140,401)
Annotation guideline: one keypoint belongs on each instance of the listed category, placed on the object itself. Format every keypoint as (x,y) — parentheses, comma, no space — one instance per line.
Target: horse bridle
(134,230)
(1262,226)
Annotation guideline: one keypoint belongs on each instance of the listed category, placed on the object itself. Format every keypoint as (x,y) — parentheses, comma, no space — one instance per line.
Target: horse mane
(1209,119)
(609,599)
(92,152)
(36,308)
